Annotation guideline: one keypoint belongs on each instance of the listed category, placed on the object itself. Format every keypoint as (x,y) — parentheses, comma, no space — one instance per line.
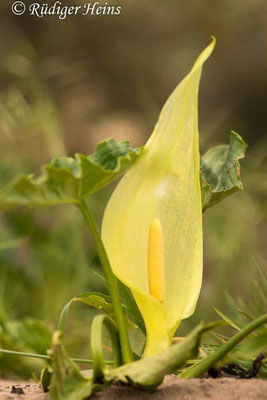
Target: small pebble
(17,390)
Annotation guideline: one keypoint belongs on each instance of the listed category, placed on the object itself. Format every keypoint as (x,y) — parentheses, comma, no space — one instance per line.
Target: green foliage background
(66,85)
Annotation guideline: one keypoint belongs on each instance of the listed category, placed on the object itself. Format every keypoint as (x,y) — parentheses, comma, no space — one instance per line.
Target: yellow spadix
(162,192)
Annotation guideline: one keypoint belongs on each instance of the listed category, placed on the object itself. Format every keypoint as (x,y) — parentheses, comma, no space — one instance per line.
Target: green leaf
(220,171)
(67,181)
(97,300)
(45,378)
(67,382)
(101,303)
(129,304)
(131,307)
(64,313)
(149,373)
(99,366)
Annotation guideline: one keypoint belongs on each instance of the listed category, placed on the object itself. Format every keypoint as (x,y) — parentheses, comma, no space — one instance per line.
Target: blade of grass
(226,319)
(207,363)
(46,357)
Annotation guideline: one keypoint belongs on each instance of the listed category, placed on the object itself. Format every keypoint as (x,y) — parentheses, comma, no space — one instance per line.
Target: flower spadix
(152,227)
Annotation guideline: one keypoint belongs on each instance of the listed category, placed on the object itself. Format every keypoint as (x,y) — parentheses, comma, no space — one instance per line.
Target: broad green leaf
(164,184)
(67,382)
(67,181)
(220,171)
(149,373)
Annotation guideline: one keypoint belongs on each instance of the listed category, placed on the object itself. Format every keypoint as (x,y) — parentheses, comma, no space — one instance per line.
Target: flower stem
(46,357)
(112,284)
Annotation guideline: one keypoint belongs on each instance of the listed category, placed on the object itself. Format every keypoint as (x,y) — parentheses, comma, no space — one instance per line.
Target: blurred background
(65,86)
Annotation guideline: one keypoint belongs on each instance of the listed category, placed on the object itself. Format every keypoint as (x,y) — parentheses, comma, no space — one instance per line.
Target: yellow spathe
(163,184)
(155,261)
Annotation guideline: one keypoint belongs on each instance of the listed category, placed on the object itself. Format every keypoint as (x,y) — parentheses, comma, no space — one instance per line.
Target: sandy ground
(172,389)
(31,391)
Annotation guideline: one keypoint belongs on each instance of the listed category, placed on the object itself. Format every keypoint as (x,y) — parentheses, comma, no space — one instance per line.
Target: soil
(173,388)
(31,391)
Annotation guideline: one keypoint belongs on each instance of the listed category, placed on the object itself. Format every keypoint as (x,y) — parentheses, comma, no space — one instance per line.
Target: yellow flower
(152,227)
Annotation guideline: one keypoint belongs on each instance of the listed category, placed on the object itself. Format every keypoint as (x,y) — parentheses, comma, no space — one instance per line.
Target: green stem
(112,284)
(197,370)
(45,357)
(99,365)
